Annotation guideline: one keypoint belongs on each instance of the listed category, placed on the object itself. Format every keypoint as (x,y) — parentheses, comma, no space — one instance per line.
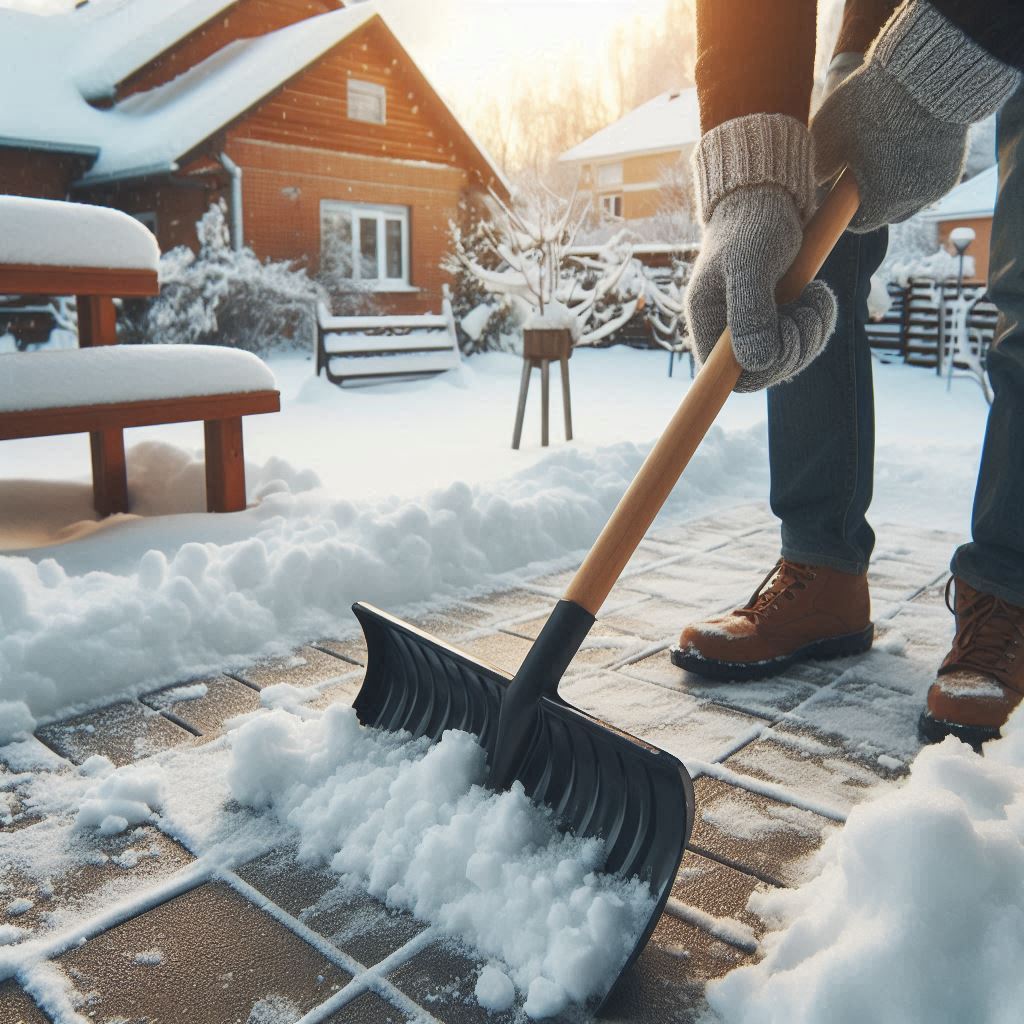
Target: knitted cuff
(941,67)
(758,149)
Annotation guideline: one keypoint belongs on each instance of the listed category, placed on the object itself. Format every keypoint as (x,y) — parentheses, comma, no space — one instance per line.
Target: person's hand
(753,183)
(900,122)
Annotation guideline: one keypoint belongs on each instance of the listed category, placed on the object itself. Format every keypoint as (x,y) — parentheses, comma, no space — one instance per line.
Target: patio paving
(777,765)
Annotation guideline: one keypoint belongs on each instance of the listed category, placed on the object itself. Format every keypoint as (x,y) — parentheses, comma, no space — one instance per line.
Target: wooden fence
(920,319)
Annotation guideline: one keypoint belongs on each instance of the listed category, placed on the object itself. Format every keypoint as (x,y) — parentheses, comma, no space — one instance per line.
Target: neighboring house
(970,204)
(307,117)
(629,166)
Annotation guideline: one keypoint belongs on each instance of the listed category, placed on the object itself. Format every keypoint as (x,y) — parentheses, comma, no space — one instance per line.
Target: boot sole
(935,730)
(744,671)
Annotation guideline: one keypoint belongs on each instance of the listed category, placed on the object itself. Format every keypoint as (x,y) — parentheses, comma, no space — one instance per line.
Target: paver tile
(16,1007)
(305,667)
(665,985)
(674,721)
(604,644)
(354,921)
(442,979)
(123,732)
(770,839)
(452,622)
(368,1008)
(351,648)
(205,957)
(504,651)
(14,815)
(651,618)
(502,605)
(91,871)
(812,766)
(718,890)
(224,698)
(764,697)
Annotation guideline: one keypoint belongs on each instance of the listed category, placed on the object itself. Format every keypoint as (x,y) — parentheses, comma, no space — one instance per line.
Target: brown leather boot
(799,612)
(981,680)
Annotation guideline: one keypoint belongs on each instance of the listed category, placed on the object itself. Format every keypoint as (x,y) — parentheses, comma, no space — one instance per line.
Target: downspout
(229,165)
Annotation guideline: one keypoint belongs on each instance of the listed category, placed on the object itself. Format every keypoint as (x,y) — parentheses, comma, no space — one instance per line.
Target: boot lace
(780,584)
(989,634)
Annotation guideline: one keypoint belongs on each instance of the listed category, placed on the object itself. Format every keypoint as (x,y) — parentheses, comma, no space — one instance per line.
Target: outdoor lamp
(961,238)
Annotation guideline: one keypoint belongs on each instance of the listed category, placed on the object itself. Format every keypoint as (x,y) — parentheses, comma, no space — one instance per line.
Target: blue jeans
(994,560)
(821,425)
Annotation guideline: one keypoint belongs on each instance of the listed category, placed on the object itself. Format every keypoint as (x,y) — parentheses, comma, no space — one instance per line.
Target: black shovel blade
(598,780)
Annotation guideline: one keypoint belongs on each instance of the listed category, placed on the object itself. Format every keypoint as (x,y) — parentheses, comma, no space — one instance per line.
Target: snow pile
(556,316)
(122,797)
(917,913)
(409,822)
(136,604)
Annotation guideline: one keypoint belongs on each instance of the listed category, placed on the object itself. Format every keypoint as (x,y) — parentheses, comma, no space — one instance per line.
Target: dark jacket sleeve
(754,57)
(998,25)
(862,21)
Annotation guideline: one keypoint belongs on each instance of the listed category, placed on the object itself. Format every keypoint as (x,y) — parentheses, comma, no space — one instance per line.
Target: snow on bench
(102,388)
(368,348)
(126,373)
(47,232)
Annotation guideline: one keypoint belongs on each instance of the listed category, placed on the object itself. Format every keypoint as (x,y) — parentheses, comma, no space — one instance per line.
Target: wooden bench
(378,348)
(105,421)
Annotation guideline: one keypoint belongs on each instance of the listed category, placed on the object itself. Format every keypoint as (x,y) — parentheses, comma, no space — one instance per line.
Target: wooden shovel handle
(702,403)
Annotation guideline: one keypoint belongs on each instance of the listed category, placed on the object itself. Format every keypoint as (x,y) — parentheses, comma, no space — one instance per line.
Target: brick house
(971,204)
(307,117)
(628,165)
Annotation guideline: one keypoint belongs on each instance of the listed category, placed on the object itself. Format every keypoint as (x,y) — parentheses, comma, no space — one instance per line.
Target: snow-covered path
(401,494)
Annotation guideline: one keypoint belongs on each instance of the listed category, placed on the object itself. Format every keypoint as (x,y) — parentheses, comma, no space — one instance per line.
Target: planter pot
(547,343)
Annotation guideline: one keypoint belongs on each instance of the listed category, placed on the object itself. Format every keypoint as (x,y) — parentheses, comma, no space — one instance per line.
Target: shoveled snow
(917,912)
(45,232)
(122,797)
(396,494)
(410,822)
(494,989)
(126,373)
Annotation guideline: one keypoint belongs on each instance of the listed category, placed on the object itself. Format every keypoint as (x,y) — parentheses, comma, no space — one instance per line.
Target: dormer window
(367,101)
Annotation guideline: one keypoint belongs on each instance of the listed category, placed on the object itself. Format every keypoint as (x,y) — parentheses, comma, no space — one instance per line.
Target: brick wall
(25,172)
(283,186)
(978,248)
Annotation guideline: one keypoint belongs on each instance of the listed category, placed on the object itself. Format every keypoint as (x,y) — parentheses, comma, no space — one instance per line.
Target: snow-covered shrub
(914,251)
(524,256)
(484,321)
(223,296)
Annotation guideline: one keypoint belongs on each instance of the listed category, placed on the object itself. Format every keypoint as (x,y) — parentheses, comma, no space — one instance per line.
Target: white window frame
(608,175)
(381,214)
(360,90)
(608,203)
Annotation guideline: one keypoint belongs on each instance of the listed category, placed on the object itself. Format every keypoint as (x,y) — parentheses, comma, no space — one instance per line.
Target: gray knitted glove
(900,122)
(753,181)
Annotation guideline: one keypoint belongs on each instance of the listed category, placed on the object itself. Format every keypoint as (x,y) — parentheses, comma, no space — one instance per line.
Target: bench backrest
(367,348)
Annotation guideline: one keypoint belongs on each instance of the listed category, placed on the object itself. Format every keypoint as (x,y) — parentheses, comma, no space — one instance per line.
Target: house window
(612,205)
(365,243)
(367,101)
(608,175)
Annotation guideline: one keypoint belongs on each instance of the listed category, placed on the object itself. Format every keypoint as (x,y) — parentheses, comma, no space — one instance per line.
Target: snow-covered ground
(400,494)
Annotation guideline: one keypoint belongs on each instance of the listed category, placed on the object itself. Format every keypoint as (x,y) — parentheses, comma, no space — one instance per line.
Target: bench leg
(566,402)
(524,387)
(225,465)
(109,476)
(544,393)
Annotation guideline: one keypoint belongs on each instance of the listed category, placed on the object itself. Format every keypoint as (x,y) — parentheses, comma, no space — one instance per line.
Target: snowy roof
(975,197)
(45,232)
(54,66)
(115,42)
(153,129)
(669,121)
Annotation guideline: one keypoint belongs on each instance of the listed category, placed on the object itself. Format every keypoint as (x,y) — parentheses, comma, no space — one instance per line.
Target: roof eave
(49,146)
(568,158)
(131,173)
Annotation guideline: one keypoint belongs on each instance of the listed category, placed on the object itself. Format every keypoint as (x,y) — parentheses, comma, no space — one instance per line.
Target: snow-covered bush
(914,251)
(523,256)
(223,296)
(485,321)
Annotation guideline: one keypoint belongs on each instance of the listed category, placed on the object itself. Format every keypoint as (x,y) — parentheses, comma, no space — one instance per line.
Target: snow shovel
(598,780)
